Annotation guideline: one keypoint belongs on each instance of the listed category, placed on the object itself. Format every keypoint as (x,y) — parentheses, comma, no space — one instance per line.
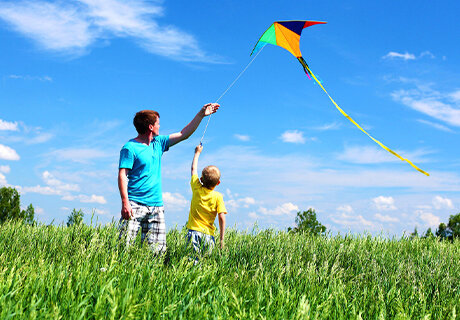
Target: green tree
(454,225)
(75,217)
(428,234)
(10,206)
(442,231)
(306,221)
(414,234)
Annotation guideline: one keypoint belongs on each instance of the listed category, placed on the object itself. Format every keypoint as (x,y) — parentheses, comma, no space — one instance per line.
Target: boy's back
(205,206)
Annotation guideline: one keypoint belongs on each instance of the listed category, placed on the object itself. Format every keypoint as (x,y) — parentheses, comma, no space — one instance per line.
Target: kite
(286,34)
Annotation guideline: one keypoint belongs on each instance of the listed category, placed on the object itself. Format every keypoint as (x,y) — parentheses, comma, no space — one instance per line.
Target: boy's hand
(222,245)
(198,148)
(209,108)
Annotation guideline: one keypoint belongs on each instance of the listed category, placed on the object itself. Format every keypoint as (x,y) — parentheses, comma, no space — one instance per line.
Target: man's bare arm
(207,110)
(126,210)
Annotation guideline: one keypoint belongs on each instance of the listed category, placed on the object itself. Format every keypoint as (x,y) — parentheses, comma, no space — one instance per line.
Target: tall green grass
(83,272)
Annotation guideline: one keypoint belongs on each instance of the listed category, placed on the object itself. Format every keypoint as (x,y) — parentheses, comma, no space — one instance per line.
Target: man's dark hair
(143,119)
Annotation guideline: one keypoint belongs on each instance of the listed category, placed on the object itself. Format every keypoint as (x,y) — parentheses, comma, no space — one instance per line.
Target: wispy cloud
(395,55)
(293,136)
(242,137)
(80,155)
(7,153)
(435,125)
(85,198)
(384,203)
(407,56)
(286,209)
(5,169)
(441,106)
(3,181)
(371,154)
(8,126)
(72,27)
(174,201)
(28,77)
(442,203)
(385,218)
(328,126)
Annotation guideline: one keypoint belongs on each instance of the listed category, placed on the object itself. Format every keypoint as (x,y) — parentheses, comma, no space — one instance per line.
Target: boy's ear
(218,183)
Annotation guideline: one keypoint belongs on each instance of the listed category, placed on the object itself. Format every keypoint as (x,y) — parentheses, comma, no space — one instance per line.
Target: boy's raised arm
(198,150)
(206,110)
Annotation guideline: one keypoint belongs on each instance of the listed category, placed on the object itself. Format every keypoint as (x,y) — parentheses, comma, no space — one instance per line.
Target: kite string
(228,88)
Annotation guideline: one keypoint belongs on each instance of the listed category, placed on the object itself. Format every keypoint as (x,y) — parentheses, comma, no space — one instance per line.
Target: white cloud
(242,137)
(28,77)
(429,219)
(442,203)
(427,54)
(328,126)
(349,220)
(431,103)
(345,208)
(384,203)
(293,136)
(285,209)
(10,126)
(435,125)
(241,202)
(5,169)
(174,201)
(81,155)
(71,27)
(45,190)
(395,55)
(253,215)
(85,198)
(59,185)
(53,26)
(455,96)
(372,154)
(3,181)
(385,218)
(6,153)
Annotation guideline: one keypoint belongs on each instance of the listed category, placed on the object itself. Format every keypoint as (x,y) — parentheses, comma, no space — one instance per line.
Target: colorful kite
(286,34)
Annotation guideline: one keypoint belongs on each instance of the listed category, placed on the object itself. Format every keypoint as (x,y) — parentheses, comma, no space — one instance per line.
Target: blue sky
(73,74)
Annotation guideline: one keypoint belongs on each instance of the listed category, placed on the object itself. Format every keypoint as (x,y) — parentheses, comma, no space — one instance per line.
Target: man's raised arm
(207,110)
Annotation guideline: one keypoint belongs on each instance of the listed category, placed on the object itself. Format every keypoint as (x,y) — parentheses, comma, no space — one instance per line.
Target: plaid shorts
(152,222)
(201,242)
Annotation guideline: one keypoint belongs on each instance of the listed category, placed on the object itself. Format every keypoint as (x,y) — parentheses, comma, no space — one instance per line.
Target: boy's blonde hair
(210,177)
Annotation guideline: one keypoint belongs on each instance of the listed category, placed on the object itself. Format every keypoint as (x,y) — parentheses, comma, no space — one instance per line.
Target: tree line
(306,221)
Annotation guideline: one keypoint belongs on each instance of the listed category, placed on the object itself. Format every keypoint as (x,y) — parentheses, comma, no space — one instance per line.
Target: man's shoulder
(130,144)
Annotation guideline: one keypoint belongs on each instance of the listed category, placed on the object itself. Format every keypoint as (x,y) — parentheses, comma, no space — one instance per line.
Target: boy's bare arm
(198,150)
(206,110)
(222,229)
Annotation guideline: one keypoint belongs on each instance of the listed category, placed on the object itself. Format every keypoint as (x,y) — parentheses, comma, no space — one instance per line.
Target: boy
(205,206)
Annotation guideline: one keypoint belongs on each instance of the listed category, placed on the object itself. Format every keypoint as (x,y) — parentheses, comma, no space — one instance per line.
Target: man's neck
(145,138)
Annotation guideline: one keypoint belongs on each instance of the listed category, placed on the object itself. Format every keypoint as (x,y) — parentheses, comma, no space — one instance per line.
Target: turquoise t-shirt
(144,164)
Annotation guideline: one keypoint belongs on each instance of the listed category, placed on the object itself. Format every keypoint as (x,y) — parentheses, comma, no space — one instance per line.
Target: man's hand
(209,108)
(198,149)
(126,210)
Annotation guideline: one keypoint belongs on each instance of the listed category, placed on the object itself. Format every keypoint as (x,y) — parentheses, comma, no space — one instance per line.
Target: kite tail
(305,67)
(355,123)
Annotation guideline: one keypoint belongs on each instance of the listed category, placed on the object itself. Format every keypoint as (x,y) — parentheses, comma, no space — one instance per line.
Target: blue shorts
(201,242)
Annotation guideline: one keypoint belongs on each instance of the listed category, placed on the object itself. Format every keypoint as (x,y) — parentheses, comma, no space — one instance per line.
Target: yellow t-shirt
(205,206)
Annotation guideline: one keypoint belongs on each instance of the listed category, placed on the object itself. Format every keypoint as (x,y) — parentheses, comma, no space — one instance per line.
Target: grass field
(81,272)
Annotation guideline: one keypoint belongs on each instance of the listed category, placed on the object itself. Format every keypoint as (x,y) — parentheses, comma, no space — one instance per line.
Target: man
(139,176)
